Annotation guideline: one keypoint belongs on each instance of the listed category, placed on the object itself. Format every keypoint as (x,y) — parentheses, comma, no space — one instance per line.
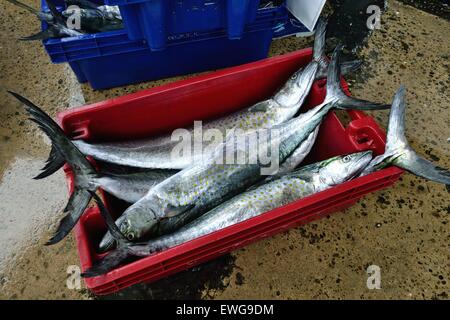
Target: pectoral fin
(262,106)
(172,211)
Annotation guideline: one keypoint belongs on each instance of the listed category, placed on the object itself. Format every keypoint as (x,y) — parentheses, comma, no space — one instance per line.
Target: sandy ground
(404,230)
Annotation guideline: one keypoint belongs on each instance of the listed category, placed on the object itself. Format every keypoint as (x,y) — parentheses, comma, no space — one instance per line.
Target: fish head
(340,169)
(293,93)
(138,222)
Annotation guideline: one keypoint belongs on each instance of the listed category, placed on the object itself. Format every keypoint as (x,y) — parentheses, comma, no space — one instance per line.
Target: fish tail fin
(401,153)
(64,148)
(54,162)
(115,257)
(421,167)
(42,35)
(336,94)
(78,202)
(398,151)
(319,40)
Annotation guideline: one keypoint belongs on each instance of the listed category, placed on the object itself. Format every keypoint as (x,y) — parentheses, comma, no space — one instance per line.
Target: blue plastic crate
(155,20)
(111,59)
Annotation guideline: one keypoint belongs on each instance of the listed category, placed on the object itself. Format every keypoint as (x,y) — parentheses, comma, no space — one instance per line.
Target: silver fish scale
(131,187)
(242,207)
(207,187)
(136,153)
(306,181)
(215,182)
(261,115)
(110,12)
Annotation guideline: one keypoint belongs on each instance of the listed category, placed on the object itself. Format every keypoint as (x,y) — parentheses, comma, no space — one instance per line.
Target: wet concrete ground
(404,229)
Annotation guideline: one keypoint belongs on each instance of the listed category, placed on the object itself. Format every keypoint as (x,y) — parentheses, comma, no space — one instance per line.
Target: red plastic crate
(178,104)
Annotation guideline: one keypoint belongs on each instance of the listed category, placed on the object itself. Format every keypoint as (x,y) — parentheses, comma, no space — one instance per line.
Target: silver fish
(96,19)
(288,188)
(398,151)
(198,188)
(298,155)
(127,187)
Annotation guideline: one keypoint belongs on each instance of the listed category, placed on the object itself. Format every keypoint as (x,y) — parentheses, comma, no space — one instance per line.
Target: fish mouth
(363,161)
(366,153)
(108,242)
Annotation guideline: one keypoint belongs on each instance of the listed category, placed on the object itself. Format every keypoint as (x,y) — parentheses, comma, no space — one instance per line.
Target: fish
(202,186)
(398,152)
(93,19)
(291,187)
(128,187)
(157,152)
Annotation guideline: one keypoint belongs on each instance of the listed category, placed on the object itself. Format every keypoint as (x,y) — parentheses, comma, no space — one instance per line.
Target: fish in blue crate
(91,18)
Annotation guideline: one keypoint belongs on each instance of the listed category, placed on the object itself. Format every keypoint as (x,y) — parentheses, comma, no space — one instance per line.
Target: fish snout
(364,159)
(108,242)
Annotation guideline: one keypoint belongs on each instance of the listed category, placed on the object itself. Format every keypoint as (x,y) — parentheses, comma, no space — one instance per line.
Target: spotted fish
(288,188)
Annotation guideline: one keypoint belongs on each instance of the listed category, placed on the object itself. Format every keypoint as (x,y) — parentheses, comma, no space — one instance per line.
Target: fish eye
(130,236)
(294,76)
(346,159)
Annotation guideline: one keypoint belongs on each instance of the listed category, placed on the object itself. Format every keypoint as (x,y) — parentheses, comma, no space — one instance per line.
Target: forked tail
(84,172)
(398,151)
(336,97)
